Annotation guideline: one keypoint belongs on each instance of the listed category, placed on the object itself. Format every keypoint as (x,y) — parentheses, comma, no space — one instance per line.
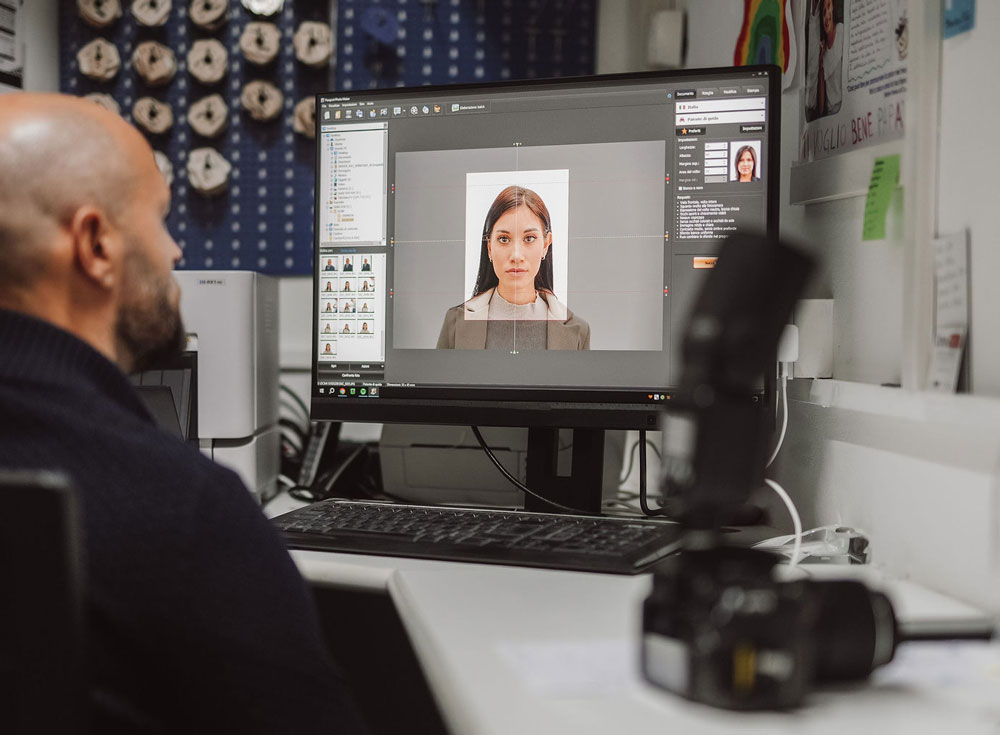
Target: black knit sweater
(198,619)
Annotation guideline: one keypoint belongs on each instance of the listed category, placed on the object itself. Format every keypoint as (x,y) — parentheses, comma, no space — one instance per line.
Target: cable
(294,434)
(646,510)
(328,486)
(784,417)
(321,488)
(517,483)
(796,521)
(298,401)
(631,458)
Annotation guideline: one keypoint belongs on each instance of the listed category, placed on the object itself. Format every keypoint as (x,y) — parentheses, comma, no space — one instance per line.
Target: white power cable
(784,416)
(796,521)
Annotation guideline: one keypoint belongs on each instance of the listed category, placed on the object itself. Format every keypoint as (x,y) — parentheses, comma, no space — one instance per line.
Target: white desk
(514,650)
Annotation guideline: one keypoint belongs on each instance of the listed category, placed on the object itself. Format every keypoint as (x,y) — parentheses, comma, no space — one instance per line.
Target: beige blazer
(464,325)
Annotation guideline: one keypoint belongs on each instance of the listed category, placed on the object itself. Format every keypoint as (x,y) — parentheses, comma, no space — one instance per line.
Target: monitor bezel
(544,413)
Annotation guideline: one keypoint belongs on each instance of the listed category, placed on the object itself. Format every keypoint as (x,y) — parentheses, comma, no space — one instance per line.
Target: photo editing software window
(528,241)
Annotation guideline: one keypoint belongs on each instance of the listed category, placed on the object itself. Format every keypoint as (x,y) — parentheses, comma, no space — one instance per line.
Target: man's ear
(96,245)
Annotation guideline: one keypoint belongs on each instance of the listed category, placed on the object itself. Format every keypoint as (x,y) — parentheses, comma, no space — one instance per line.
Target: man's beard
(149,331)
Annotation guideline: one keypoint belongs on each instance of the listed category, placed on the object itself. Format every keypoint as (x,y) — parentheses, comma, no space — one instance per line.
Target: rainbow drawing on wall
(764,35)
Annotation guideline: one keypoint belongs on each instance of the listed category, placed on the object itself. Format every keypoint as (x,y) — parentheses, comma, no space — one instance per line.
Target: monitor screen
(525,253)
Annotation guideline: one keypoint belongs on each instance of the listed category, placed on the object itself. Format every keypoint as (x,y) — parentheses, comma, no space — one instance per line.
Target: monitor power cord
(643,503)
(520,485)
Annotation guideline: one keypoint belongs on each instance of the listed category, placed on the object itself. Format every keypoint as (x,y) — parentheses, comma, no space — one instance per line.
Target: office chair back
(43,684)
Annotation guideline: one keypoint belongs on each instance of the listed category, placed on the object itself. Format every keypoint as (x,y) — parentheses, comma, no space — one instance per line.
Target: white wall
(969,186)
(865,279)
(41,30)
(919,472)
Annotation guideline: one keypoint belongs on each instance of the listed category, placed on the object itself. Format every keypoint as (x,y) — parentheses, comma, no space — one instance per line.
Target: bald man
(198,619)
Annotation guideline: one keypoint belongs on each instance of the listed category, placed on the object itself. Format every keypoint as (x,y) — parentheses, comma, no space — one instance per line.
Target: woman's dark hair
(739,155)
(838,17)
(511,198)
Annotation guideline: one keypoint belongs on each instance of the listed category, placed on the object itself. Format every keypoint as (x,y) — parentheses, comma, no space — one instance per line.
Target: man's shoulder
(141,446)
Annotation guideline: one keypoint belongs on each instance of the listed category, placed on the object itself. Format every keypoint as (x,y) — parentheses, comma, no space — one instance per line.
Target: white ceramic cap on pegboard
(304,122)
(104,100)
(313,44)
(166,167)
(152,115)
(99,60)
(208,171)
(207,60)
(259,42)
(263,7)
(262,100)
(151,13)
(154,62)
(99,13)
(208,14)
(209,115)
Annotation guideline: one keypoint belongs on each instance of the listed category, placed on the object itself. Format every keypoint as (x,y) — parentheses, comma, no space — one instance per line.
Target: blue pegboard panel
(462,41)
(264,220)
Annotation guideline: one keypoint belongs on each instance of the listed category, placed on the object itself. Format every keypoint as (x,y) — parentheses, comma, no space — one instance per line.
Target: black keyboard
(591,544)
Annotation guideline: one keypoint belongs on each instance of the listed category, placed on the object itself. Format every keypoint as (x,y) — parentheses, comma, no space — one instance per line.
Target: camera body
(718,628)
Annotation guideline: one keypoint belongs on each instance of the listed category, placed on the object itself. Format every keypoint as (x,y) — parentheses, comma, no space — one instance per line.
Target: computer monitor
(525,253)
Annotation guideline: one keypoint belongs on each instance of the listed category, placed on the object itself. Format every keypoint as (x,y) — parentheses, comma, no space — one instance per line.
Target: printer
(231,318)
(446,465)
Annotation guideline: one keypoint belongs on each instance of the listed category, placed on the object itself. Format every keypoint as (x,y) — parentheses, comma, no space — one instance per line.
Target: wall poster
(855,75)
(765,37)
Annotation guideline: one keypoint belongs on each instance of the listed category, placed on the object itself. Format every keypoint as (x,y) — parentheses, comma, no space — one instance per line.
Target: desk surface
(526,650)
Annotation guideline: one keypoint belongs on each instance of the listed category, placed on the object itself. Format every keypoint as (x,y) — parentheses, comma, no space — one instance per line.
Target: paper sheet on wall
(884,180)
(951,290)
(854,75)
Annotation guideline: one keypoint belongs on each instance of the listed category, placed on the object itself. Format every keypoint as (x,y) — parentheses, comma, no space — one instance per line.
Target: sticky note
(884,180)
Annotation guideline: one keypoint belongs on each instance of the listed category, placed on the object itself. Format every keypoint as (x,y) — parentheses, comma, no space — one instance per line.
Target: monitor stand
(582,488)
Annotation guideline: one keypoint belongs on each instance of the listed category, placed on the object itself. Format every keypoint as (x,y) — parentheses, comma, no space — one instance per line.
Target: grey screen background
(615,244)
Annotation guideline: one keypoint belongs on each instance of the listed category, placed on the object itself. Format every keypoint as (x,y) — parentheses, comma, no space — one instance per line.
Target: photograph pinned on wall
(482,190)
(855,75)
(825,38)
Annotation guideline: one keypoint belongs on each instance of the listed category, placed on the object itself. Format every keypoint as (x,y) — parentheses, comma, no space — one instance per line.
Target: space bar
(342,533)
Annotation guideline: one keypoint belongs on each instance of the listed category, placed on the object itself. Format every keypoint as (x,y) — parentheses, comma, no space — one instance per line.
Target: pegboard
(264,220)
